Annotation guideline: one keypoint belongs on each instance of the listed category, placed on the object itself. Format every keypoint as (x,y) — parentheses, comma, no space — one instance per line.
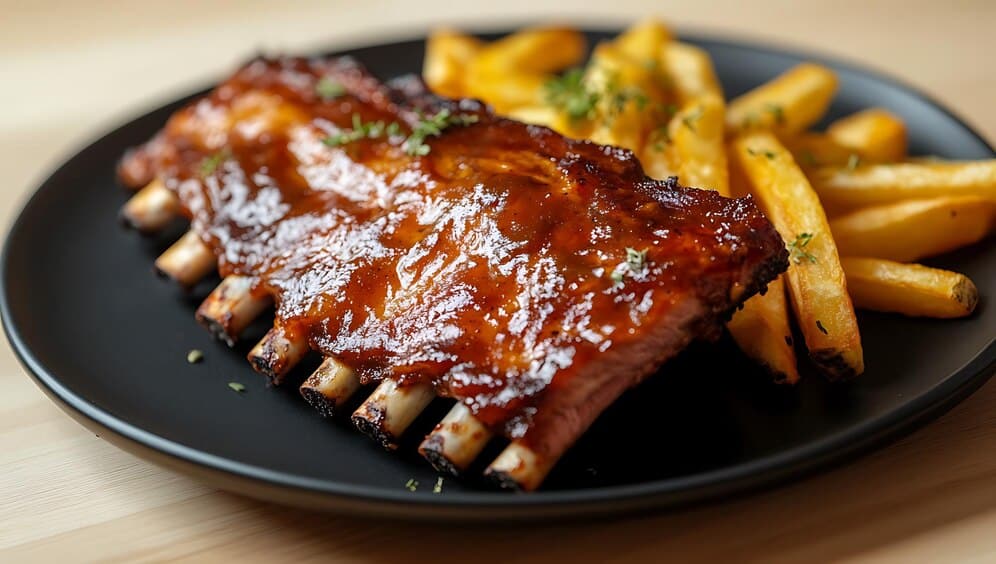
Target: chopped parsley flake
(690,119)
(660,137)
(411,485)
(362,130)
(569,94)
(853,161)
(433,126)
(797,248)
(636,260)
(438,488)
(776,111)
(212,162)
(770,155)
(329,88)
(236,387)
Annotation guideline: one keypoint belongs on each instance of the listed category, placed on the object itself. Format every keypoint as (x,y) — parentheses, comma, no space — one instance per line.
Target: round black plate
(108,341)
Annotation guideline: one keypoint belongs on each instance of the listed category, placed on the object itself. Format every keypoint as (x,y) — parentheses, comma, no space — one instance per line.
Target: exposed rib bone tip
(230,308)
(456,441)
(329,386)
(391,409)
(187,261)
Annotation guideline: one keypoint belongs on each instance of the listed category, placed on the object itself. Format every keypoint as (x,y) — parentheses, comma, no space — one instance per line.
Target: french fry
(761,330)
(507,92)
(761,327)
(786,105)
(696,133)
(627,90)
(843,188)
(690,71)
(447,56)
(643,41)
(910,289)
(537,115)
(657,162)
(531,51)
(911,230)
(874,134)
(811,149)
(815,278)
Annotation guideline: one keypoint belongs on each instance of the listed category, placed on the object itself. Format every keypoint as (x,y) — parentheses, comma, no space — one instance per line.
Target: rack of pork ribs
(525,277)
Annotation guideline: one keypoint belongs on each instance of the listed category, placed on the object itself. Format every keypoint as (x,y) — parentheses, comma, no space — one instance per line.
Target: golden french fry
(843,188)
(657,163)
(508,92)
(786,105)
(627,91)
(690,71)
(531,51)
(810,150)
(815,278)
(874,134)
(909,289)
(643,41)
(697,144)
(761,329)
(911,230)
(447,56)
(536,115)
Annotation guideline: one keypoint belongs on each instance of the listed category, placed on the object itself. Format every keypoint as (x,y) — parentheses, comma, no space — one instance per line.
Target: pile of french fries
(854,209)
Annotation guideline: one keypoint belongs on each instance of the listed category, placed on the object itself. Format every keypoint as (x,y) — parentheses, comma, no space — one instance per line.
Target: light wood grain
(71,70)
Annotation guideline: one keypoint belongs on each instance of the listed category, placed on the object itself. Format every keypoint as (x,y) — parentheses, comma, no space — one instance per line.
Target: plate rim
(779,467)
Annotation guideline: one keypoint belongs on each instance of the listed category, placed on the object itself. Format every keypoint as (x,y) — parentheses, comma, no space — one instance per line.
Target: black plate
(108,341)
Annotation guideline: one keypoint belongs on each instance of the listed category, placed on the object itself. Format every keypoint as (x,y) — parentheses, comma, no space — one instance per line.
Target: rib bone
(331,385)
(277,353)
(456,441)
(151,209)
(519,467)
(231,307)
(390,409)
(187,261)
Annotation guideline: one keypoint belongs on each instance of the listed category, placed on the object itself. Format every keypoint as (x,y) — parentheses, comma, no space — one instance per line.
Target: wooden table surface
(70,70)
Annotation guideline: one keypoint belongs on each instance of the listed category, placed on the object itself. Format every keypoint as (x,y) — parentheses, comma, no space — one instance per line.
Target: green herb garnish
(770,155)
(636,260)
(690,119)
(235,386)
(212,162)
(329,88)
(660,136)
(438,488)
(411,485)
(362,130)
(195,356)
(776,111)
(570,94)
(433,126)
(797,248)
(853,161)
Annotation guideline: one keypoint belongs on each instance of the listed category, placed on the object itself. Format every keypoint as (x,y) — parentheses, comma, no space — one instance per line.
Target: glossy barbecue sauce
(497,266)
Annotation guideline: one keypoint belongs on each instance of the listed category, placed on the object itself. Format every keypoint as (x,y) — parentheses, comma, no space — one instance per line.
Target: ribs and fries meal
(528,238)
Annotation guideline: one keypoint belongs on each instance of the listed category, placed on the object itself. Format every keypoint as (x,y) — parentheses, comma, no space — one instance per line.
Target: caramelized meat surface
(530,276)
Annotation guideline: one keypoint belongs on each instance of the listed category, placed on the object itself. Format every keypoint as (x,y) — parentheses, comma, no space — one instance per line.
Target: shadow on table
(881,500)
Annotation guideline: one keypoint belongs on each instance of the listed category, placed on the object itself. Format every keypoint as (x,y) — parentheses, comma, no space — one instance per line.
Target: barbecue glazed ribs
(429,247)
